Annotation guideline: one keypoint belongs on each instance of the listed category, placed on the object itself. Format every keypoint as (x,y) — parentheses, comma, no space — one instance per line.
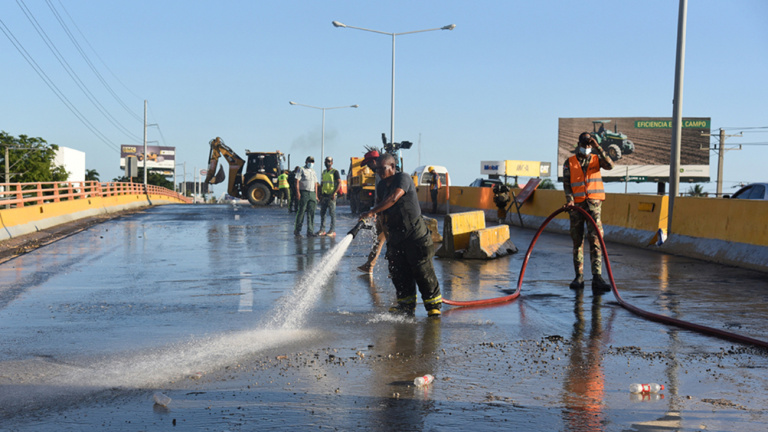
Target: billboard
(158,158)
(512,168)
(640,147)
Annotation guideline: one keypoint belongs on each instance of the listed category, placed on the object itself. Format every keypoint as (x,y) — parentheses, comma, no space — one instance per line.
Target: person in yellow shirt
(329,188)
(283,189)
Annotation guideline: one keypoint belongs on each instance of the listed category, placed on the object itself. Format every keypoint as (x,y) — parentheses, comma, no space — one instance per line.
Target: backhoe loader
(259,183)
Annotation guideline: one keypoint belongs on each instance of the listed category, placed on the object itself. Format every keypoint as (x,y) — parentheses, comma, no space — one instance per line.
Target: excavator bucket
(220,176)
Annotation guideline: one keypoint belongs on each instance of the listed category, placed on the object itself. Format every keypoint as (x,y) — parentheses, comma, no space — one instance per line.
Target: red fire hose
(645,314)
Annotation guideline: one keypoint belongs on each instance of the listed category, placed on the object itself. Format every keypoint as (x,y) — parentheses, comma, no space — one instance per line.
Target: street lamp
(392,118)
(322,139)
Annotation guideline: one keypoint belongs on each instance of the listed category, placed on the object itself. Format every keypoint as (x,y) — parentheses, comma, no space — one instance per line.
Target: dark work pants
(410,264)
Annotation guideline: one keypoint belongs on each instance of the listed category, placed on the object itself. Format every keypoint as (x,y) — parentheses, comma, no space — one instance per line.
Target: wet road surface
(212,306)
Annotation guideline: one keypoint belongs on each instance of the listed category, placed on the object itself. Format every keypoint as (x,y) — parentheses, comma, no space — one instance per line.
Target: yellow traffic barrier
(457,228)
(489,243)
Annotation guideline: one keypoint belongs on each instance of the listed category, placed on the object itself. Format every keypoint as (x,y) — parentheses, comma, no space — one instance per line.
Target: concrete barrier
(456,230)
(433,229)
(489,243)
(28,219)
(733,232)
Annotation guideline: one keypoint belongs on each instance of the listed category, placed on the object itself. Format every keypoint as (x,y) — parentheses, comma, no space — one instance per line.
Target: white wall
(73,162)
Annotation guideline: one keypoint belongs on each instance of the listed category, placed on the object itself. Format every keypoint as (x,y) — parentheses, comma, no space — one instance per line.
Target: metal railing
(26,194)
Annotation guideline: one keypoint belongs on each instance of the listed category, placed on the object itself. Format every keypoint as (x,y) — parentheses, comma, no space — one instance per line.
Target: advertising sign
(512,168)
(523,168)
(158,158)
(640,147)
(492,167)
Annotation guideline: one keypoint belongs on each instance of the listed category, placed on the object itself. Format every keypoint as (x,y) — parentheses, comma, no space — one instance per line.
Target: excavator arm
(236,163)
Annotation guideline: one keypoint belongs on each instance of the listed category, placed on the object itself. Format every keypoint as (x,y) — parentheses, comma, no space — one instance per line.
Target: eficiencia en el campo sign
(667,124)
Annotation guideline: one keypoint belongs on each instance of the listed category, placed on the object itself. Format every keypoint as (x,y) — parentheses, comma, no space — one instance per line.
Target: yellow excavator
(259,183)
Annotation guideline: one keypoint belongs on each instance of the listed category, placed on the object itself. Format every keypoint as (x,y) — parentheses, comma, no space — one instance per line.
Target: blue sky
(491,89)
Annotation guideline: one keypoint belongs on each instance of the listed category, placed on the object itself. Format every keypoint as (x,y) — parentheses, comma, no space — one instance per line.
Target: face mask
(585,151)
(310,165)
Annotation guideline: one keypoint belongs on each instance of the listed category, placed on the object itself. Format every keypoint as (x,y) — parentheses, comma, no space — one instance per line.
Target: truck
(421,175)
(259,183)
(361,186)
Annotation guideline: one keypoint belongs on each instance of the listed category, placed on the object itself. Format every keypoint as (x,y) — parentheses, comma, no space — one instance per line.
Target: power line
(87,59)
(31,61)
(745,128)
(71,72)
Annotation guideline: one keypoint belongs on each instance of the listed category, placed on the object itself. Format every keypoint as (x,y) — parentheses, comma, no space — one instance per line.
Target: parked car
(483,182)
(754,191)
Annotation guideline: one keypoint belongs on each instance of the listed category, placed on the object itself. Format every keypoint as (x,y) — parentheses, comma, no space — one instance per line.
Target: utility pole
(721,157)
(145,145)
(677,112)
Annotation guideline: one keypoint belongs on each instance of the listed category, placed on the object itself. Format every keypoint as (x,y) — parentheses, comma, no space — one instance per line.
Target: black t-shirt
(403,219)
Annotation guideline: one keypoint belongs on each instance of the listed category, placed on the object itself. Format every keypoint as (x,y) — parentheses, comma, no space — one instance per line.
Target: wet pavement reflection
(184,300)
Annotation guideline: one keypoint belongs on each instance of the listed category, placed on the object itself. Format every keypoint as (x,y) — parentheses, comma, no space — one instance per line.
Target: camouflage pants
(577,234)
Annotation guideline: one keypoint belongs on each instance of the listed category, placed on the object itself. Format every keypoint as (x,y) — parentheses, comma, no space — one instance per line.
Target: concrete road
(245,327)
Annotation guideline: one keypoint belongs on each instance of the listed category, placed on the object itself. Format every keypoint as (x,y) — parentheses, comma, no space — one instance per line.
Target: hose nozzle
(360,225)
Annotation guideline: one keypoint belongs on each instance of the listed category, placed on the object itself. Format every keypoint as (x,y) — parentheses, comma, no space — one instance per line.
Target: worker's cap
(328,159)
(369,157)
(310,159)
(431,169)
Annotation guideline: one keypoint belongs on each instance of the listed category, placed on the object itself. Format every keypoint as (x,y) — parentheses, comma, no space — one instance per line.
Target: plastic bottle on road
(645,388)
(161,399)
(423,380)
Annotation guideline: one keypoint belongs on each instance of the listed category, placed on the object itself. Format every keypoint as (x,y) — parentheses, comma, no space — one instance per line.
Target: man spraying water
(409,244)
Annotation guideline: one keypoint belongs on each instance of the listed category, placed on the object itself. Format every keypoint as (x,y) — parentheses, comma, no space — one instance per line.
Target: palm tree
(91,175)
(547,184)
(697,190)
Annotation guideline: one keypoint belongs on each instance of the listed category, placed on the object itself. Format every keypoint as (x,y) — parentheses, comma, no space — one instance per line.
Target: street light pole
(392,115)
(322,137)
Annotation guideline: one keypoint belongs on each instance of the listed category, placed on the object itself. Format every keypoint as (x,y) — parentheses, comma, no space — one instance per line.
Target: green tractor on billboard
(614,143)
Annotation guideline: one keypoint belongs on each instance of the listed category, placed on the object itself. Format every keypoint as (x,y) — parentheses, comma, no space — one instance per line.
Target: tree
(153,178)
(30,160)
(697,190)
(547,184)
(91,175)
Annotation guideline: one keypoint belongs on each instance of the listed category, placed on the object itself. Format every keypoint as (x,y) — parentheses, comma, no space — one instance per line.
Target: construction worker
(283,188)
(293,204)
(409,243)
(434,187)
(306,192)
(583,187)
(331,183)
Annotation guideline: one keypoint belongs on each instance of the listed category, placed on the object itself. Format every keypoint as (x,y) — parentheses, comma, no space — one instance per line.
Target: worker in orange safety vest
(583,187)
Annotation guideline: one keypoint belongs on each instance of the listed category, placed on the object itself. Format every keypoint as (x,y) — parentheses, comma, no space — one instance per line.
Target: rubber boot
(599,285)
(578,283)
